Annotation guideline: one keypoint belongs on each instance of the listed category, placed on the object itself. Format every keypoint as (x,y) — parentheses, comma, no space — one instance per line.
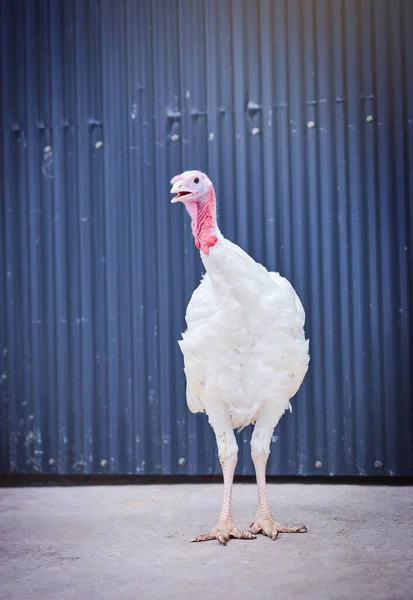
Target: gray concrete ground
(132,543)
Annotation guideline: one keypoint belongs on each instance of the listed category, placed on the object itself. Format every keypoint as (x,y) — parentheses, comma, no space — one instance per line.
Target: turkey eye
(196,180)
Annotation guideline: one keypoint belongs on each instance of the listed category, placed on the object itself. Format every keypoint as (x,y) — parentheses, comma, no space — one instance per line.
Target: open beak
(180,192)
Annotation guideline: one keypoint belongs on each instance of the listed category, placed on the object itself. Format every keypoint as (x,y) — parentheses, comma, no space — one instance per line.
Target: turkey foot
(223,531)
(269,527)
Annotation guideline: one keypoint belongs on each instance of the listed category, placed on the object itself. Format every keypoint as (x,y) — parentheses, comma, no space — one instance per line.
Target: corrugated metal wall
(302,113)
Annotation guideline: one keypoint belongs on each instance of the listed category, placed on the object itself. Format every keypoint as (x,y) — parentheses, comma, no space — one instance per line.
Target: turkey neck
(204,221)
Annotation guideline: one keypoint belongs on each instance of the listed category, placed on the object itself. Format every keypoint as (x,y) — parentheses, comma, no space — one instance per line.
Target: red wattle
(203,215)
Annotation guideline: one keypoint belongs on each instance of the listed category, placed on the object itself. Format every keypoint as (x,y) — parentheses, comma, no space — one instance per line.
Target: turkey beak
(180,193)
(175,190)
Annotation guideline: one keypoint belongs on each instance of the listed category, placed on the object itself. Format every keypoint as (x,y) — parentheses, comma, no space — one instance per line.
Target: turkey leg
(267,419)
(264,521)
(226,528)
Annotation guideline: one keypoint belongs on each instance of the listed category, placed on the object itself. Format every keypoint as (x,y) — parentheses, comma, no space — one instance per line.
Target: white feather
(244,342)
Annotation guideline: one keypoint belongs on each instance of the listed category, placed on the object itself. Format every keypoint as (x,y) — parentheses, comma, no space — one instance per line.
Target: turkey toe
(271,528)
(222,532)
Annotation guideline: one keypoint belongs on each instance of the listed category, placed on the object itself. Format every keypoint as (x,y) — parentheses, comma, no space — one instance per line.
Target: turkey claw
(222,532)
(271,528)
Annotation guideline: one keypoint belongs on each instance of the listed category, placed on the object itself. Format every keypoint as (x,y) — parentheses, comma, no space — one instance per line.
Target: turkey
(245,352)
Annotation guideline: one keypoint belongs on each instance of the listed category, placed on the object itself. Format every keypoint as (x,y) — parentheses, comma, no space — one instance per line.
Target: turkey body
(245,343)
(245,353)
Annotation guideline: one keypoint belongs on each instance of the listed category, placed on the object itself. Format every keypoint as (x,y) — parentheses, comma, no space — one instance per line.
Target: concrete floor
(132,543)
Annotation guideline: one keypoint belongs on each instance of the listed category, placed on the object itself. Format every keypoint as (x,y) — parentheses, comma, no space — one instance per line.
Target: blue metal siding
(301,111)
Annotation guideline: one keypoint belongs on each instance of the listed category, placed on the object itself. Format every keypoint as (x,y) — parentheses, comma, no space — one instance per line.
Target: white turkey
(245,352)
